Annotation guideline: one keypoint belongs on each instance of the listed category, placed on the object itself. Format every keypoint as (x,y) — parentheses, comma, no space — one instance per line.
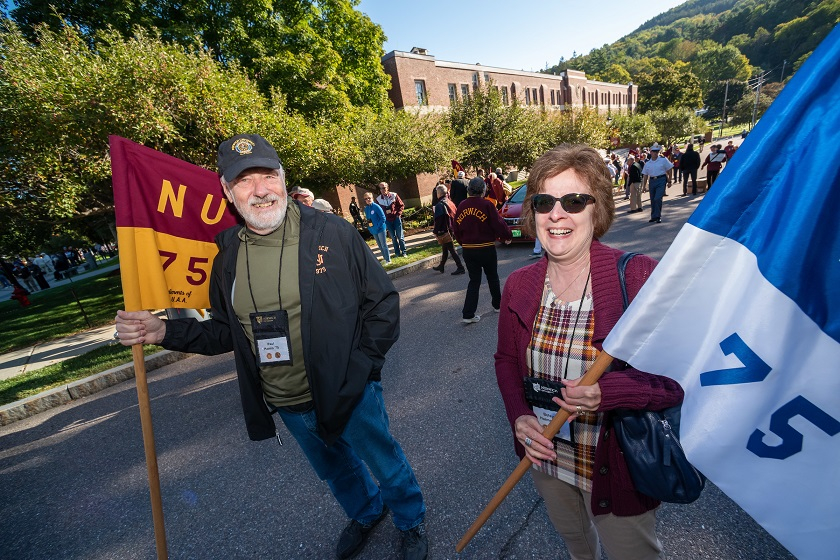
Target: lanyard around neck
(279,274)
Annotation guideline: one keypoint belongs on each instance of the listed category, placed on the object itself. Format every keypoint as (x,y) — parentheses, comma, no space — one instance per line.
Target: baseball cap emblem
(243,146)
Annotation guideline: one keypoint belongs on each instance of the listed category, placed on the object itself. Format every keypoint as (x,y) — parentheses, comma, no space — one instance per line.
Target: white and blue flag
(744,312)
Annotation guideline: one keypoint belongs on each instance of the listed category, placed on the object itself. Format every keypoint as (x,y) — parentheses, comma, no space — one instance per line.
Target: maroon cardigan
(612,488)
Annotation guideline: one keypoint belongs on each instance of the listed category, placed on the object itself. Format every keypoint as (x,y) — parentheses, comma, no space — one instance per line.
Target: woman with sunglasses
(554,316)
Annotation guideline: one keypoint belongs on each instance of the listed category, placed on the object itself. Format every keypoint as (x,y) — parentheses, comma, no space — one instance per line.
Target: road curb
(81,388)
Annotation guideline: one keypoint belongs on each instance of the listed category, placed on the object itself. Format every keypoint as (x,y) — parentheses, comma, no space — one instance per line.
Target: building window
(453,94)
(486,77)
(527,96)
(420,90)
(475,80)
(504,95)
(552,97)
(534,96)
(465,91)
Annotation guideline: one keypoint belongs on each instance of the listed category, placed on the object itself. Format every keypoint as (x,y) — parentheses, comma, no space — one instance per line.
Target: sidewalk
(42,355)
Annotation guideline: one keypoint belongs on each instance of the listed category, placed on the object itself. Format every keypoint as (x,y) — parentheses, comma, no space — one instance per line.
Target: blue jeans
(395,230)
(382,242)
(657,191)
(366,438)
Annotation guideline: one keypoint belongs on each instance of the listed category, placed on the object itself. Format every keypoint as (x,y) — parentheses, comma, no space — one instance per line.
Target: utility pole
(757,93)
(782,77)
(723,115)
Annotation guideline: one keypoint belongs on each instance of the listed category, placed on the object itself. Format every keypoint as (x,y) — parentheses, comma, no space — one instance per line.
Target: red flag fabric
(168,212)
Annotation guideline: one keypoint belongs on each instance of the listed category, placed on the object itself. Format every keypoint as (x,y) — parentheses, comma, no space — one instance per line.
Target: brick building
(420,81)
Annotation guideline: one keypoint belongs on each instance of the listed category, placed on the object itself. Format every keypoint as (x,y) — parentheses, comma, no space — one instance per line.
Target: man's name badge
(271,337)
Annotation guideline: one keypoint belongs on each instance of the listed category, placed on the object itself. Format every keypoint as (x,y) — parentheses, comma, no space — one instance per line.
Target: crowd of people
(32,274)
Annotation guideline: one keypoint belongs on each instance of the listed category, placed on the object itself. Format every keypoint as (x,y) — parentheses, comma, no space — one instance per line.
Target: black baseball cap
(245,151)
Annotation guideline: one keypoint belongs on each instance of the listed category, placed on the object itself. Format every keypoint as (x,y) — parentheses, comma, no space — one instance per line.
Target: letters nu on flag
(168,212)
(744,312)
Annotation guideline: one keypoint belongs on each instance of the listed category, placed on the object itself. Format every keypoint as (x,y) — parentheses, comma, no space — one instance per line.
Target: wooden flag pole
(149,446)
(590,378)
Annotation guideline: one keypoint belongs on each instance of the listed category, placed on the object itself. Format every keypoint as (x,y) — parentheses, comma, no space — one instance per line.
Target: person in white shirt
(655,178)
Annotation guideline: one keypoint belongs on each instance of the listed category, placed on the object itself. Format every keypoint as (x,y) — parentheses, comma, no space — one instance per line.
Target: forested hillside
(715,41)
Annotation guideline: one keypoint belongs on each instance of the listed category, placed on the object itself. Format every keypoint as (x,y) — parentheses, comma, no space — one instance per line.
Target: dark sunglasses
(571,203)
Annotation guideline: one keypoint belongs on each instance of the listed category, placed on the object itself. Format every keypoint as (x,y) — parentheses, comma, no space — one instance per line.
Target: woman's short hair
(589,166)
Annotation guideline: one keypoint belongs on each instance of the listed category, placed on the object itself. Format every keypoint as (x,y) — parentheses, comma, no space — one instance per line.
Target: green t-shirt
(282,385)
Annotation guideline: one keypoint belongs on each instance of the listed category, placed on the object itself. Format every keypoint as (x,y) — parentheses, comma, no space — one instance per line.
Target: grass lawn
(95,361)
(414,254)
(54,313)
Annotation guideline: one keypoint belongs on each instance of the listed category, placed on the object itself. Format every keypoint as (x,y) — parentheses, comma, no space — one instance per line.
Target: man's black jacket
(349,320)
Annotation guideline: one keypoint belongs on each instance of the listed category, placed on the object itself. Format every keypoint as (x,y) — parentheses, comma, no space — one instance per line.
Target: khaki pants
(624,538)
(635,196)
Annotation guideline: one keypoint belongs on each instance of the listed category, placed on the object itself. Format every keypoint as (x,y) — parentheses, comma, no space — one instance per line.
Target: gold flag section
(160,270)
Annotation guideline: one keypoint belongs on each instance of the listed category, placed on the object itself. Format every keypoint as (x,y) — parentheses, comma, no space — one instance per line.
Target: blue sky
(521,35)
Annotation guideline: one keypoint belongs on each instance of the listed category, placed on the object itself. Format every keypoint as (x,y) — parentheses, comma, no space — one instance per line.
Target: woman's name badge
(545,416)
(271,338)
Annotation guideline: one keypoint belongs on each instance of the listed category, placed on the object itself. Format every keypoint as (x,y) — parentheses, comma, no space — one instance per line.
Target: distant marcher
(689,164)
(444,216)
(23,272)
(714,161)
(44,262)
(304,195)
(435,198)
(393,206)
(729,150)
(376,226)
(478,179)
(477,227)
(4,280)
(495,192)
(676,156)
(90,259)
(458,189)
(634,178)
(322,205)
(38,275)
(655,177)
(356,213)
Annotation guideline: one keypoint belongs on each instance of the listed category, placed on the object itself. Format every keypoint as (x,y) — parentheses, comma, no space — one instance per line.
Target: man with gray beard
(289,272)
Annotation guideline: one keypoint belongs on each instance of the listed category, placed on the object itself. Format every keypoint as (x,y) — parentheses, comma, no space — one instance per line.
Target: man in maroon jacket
(477,227)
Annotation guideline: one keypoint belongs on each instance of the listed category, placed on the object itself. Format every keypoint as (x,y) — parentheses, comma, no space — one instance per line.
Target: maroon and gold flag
(168,212)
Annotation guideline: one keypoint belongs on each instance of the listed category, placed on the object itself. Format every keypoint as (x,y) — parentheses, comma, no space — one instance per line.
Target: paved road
(74,479)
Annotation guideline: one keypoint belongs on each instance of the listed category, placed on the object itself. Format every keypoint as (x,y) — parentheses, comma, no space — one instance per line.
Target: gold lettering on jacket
(471,212)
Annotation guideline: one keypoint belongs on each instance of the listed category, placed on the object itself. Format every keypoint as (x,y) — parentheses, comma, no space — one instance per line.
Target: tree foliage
(719,64)
(323,56)
(635,129)
(673,85)
(495,134)
(61,100)
(742,113)
(675,122)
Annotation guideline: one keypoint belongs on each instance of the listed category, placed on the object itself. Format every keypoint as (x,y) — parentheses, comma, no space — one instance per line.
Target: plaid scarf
(561,348)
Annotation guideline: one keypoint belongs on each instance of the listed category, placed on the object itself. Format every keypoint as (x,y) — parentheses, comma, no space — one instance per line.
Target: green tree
(635,129)
(61,100)
(322,55)
(675,122)
(615,74)
(497,135)
(719,64)
(717,94)
(584,125)
(743,111)
(669,86)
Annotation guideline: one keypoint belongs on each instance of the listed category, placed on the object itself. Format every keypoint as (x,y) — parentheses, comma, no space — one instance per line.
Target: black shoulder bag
(651,445)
